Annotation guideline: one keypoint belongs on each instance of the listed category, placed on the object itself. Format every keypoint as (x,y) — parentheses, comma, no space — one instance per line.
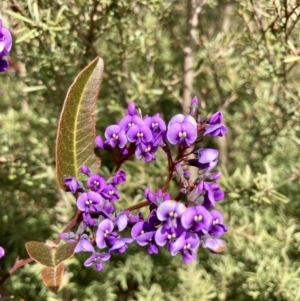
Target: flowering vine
(182,222)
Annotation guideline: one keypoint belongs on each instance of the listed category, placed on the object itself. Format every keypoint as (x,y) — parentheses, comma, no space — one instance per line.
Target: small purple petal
(3,65)
(188,256)
(2,252)
(170,209)
(137,229)
(207,155)
(73,184)
(122,220)
(128,121)
(99,142)
(216,130)
(215,245)
(216,118)
(152,249)
(84,245)
(106,226)
(131,110)
(119,177)
(85,170)
(145,238)
(161,236)
(179,118)
(97,259)
(178,245)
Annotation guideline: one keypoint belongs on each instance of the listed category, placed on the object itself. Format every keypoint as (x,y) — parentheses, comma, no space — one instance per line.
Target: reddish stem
(138,206)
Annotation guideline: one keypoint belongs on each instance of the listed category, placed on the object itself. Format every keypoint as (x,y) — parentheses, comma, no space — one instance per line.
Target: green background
(245,58)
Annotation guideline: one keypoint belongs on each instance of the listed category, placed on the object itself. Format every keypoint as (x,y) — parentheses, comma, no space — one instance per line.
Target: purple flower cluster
(99,215)
(181,223)
(5,46)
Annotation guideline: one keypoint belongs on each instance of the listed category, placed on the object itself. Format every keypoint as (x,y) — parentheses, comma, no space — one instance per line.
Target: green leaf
(292,58)
(48,255)
(76,129)
(19,17)
(52,277)
(33,88)
(26,36)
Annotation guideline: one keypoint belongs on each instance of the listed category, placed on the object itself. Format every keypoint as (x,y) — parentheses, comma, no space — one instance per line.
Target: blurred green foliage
(246,63)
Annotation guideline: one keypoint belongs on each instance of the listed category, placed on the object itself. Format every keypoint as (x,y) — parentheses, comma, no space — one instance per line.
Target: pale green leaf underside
(49,256)
(76,130)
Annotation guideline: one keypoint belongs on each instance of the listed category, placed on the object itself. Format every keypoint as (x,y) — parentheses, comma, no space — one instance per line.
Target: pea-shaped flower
(115,136)
(196,218)
(89,201)
(182,130)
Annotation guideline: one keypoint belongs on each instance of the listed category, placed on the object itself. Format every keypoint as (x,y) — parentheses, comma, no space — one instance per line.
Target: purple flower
(121,245)
(2,252)
(105,235)
(135,218)
(5,46)
(218,193)
(194,106)
(131,110)
(68,237)
(88,221)
(156,198)
(215,245)
(196,218)
(182,130)
(139,134)
(216,130)
(99,142)
(216,118)
(128,121)
(147,151)
(89,201)
(152,218)
(115,136)
(97,259)
(96,183)
(110,192)
(215,126)
(164,235)
(143,233)
(217,228)
(73,184)
(84,245)
(208,158)
(170,212)
(121,220)
(187,243)
(157,127)
(206,189)
(106,208)
(118,178)
(85,170)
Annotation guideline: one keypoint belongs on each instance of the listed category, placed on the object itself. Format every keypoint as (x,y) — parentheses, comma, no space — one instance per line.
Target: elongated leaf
(76,130)
(49,256)
(52,277)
